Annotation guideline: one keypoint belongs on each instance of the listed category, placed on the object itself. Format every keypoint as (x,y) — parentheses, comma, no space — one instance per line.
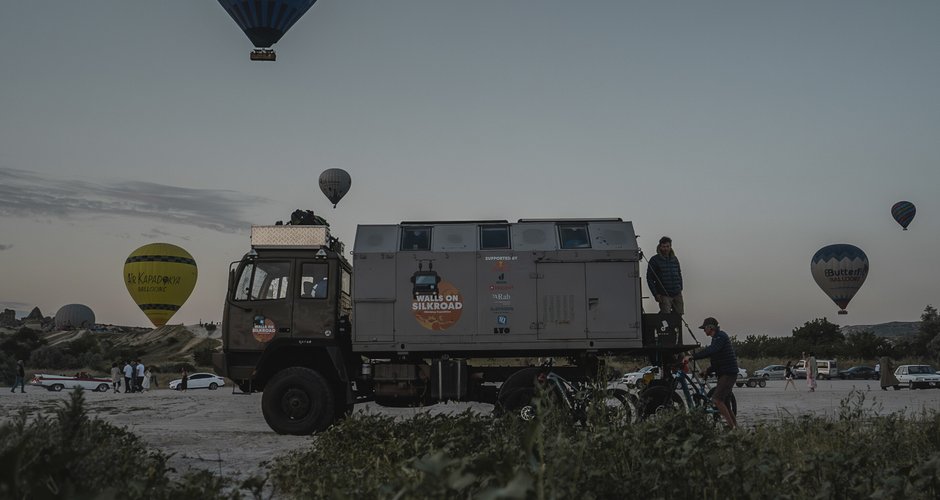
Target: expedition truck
(429,312)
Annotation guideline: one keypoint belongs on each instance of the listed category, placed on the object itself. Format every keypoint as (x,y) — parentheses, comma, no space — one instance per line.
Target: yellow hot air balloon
(160,277)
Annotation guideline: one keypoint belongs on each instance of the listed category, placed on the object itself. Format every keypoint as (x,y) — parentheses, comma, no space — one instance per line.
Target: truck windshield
(263,281)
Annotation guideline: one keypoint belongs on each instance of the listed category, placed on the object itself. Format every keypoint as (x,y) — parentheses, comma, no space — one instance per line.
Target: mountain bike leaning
(580,399)
(682,389)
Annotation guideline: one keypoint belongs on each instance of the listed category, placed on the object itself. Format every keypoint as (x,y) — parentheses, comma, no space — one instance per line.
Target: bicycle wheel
(619,407)
(658,399)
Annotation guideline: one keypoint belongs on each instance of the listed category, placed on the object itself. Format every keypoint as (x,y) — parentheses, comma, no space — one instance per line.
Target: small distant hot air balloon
(903,212)
(840,271)
(265,21)
(72,316)
(335,183)
(160,277)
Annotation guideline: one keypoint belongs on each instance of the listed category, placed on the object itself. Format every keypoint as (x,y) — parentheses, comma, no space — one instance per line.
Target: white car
(917,376)
(635,379)
(58,382)
(209,381)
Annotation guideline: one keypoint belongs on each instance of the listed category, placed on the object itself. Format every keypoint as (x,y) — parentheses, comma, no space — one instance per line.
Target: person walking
(128,377)
(788,374)
(184,378)
(725,364)
(812,371)
(139,376)
(887,375)
(20,379)
(115,377)
(664,277)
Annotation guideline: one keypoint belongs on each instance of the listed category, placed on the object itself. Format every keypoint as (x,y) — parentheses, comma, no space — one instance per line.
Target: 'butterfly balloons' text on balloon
(840,271)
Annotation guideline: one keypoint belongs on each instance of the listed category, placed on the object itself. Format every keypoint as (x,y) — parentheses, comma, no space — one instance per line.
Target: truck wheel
(752,383)
(762,383)
(298,401)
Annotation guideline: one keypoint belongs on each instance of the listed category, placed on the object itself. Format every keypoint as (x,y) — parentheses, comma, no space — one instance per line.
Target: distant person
(20,379)
(887,375)
(128,377)
(153,379)
(139,376)
(115,377)
(724,362)
(146,382)
(788,374)
(184,378)
(664,277)
(812,371)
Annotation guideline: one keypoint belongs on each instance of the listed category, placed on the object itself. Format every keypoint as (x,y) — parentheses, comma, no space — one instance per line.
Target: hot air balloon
(840,271)
(73,316)
(335,182)
(160,277)
(265,21)
(903,212)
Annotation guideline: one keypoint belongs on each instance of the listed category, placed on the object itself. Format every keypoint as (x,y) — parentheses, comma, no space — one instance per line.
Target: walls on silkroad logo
(439,311)
(436,303)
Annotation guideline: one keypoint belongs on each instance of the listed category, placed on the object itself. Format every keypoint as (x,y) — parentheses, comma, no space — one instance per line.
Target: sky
(752,133)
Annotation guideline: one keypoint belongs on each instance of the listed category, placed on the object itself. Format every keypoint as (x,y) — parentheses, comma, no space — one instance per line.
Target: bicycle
(682,388)
(577,398)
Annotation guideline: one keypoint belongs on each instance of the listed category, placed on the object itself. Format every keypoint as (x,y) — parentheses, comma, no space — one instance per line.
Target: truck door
(314,314)
(260,310)
(612,300)
(560,300)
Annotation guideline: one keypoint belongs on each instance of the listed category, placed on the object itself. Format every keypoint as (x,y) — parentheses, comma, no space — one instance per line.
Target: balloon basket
(263,55)
(843,312)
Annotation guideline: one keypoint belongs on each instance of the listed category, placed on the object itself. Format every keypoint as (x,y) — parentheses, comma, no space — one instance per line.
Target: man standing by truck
(664,277)
(724,363)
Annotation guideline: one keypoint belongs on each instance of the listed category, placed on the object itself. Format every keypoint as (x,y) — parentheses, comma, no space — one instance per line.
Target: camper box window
(494,237)
(573,236)
(415,238)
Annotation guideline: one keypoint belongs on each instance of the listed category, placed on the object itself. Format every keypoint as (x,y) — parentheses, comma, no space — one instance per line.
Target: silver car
(772,372)
(917,376)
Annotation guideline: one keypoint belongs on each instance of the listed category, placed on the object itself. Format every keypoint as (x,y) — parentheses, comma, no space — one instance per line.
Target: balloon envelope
(903,212)
(160,277)
(73,316)
(840,271)
(266,21)
(335,183)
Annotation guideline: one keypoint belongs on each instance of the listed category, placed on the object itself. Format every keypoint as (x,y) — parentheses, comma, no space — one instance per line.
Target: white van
(828,368)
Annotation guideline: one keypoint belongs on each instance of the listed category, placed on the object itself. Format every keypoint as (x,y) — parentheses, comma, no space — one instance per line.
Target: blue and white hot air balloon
(265,21)
(840,271)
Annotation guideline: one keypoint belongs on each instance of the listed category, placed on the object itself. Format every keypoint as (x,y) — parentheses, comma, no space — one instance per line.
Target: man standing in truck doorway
(664,277)
(725,364)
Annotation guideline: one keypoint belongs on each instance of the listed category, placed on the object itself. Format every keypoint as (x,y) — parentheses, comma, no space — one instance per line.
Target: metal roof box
(290,236)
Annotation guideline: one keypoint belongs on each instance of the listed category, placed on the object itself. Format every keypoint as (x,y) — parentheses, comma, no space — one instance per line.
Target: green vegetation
(72,456)
(854,455)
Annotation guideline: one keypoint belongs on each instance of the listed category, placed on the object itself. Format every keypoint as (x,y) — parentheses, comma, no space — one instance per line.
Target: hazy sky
(753,133)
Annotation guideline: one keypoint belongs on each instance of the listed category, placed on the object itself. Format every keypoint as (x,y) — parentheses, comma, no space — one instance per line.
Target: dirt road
(222,431)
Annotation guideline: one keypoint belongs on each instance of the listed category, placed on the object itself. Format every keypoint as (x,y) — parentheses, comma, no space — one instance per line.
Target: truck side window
(314,281)
(263,281)
(494,237)
(573,236)
(415,238)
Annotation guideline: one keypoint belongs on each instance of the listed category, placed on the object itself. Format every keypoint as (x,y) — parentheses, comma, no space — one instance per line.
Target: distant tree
(929,335)
(865,345)
(819,336)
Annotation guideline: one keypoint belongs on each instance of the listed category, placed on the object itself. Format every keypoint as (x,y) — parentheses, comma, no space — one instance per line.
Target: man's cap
(709,322)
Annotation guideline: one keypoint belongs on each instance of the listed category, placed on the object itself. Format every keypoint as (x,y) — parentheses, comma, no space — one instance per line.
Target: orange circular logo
(441,311)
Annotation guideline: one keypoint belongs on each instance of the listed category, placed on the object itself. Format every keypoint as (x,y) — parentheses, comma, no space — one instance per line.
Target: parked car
(635,379)
(859,372)
(917,376)
(209,381)
(828,368)
(771,372)
(58,382)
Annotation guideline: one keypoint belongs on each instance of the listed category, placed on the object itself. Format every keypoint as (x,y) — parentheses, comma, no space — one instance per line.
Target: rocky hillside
(891,329)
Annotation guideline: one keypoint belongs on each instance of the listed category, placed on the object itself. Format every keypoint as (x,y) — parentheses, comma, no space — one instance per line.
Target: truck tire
(298,401)
(751,383)
(762,383)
